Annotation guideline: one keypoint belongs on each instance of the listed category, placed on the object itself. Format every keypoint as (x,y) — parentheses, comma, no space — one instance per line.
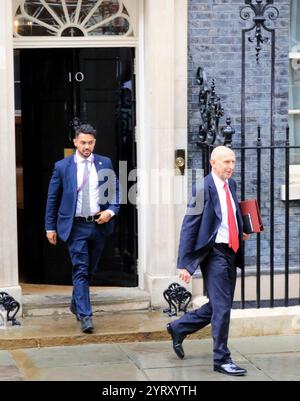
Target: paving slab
(8,368)
(6,358)
(10,373)
(110,372)
(152,361)
(203,373)
(159,355)
(71,356)
(280,366)
(266,344)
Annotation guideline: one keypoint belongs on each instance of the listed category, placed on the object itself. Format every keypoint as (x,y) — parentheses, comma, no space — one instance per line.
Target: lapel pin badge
(100,163)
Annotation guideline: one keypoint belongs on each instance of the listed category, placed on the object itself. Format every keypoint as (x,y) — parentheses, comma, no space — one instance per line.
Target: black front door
(95,85)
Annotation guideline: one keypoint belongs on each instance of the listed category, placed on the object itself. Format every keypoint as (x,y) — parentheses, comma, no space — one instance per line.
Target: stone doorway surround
(8,212)
(161,67)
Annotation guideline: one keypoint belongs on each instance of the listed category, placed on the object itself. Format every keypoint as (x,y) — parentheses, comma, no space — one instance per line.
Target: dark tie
(232,227)
(86,210)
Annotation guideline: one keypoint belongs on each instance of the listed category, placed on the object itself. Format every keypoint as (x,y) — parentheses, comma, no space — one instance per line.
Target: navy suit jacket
(199,230)
(62,195)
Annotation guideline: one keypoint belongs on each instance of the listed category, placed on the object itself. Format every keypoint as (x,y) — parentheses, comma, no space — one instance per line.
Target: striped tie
(86,209)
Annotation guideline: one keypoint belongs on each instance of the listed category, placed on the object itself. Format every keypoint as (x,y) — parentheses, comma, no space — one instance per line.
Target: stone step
(116,327)
(48,303)
(64,330)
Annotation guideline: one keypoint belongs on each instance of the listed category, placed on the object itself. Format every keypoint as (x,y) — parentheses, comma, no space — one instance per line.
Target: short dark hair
(85,129)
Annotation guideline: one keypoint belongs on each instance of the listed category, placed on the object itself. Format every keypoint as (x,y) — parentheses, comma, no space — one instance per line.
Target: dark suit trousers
(219,273)
(85,245)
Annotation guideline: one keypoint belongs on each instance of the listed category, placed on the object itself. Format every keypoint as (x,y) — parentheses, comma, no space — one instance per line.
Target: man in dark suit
(211,236)
(83,198)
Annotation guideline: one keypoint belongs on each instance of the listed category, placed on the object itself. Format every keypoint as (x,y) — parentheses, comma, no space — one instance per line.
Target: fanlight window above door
(72,18)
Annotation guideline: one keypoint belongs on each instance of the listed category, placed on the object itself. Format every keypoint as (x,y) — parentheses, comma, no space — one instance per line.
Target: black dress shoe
(230,369)
(87,324)
(177,342)
(73,309)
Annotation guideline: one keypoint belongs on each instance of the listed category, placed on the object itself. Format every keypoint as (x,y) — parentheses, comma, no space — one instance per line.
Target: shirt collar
(218,182)
(80,159)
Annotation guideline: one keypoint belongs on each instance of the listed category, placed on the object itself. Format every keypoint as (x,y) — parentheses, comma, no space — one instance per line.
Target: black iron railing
(9,306)
(178,299)
(267,155)
(258,190)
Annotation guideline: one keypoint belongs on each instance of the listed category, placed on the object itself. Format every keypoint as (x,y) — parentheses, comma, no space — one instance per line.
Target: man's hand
(104,217)
(246,237)
(185,276)
(52,237)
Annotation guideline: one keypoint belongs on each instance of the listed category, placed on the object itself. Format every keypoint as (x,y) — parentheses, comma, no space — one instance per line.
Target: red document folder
(251,216)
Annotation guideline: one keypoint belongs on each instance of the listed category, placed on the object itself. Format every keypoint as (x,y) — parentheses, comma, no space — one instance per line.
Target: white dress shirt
(94,186)
(93,182)
(223,232)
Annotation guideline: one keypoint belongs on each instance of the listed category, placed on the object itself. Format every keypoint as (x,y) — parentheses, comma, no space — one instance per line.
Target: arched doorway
(62,76)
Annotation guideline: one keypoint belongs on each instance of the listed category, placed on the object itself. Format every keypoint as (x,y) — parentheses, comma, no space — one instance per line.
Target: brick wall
(215,43)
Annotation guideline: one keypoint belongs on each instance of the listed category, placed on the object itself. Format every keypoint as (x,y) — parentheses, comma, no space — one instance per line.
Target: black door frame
(135,222)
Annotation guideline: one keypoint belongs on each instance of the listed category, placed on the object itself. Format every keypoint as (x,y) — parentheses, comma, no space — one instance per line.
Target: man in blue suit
(211,236)
(83,198)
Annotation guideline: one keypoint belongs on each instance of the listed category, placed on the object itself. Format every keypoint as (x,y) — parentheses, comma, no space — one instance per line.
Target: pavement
(133,347)
(267,358)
